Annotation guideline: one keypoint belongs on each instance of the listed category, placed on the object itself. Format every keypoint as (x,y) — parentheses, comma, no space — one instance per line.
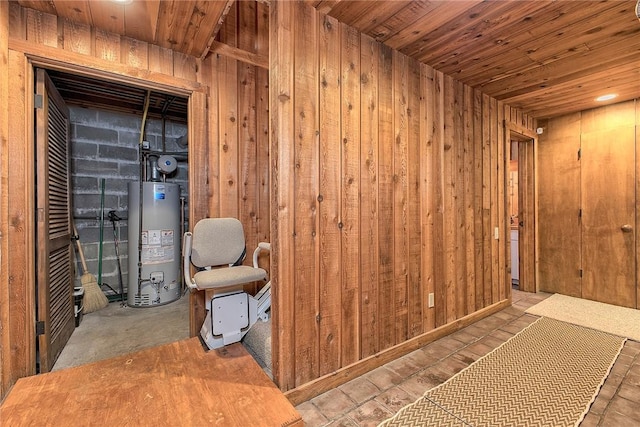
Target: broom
(94,299)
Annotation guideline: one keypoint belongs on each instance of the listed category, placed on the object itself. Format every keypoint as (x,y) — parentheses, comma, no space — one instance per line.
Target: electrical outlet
(431,302)
(496,233)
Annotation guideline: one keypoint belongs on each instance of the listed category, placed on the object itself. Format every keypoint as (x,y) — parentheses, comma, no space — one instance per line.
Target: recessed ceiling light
(123,1)
(606,97)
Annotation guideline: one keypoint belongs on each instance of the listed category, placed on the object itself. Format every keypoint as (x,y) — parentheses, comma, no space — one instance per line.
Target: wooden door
(608,213)
(559,230)
(55,317)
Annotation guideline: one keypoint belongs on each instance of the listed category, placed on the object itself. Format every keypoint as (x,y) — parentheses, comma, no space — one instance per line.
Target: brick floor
(375,396)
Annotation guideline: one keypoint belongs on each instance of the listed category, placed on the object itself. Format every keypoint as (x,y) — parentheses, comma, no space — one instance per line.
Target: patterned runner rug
(547,375)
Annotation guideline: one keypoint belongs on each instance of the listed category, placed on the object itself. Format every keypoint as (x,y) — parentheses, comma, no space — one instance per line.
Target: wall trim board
(59,59)
(223,49)
(522,130)
(314,388)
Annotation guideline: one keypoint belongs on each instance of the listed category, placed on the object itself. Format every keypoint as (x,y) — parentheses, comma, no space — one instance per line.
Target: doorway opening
(513,213)
(522,217)
(116,131)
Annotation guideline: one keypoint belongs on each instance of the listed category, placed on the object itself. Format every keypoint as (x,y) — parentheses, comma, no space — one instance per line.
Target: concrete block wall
(105,144)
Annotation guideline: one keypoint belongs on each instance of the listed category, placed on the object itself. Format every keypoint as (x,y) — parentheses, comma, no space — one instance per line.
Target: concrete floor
(116,330)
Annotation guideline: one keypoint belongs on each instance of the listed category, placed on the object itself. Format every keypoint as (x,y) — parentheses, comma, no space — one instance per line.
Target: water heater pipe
(142,167)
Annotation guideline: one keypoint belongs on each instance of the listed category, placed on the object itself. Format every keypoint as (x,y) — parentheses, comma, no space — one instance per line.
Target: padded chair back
(217,241)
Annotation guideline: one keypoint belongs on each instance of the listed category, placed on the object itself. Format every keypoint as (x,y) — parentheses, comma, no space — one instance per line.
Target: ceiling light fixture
(122,1)
(606,97)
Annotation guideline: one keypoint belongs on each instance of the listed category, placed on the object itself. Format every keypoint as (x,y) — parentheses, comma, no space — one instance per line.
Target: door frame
(25,313)
(527,188)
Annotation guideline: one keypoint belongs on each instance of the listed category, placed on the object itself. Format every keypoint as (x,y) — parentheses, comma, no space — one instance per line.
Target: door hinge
(40,328)
(37,101)
(579,153)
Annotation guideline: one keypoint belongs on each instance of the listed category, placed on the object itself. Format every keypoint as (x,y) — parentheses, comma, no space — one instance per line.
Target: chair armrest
(186,259)
(262,246)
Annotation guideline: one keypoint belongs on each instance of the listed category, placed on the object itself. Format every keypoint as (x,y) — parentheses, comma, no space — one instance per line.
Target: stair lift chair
(216,247)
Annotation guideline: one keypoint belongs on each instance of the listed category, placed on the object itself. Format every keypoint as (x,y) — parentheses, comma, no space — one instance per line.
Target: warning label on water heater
(158,246)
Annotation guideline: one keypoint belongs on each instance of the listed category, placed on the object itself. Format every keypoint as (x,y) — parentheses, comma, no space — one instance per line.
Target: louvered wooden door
(54,287)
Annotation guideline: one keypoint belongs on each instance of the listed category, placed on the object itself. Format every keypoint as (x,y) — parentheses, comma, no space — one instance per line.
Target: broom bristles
(94,299)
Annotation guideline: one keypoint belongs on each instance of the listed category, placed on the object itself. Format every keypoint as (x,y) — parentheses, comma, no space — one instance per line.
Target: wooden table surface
(178,384)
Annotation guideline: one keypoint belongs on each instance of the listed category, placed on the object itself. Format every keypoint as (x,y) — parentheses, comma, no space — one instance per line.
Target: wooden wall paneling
(21,217)
(134,53)
(76,37)
(559,256)
(5,338)
(201,146)
(459,183)
(203,168)
(329,195)
(427,211)
(487,231)
(386,309)
(262,126)
(210,76)
(248,197)
(305,193)
(494,203)
(478,197)
(449,200)
(350,214)
(184,66)
(400,194)
(469,200)
(228,121)
(504,244)
(42,28)
(228,124)
(637,224)
(415,286)
(246,25)
(248,154)
(228,33)
(17,22)
(160,60)
(438,188)
(369,243)
(281,75)
(107,45)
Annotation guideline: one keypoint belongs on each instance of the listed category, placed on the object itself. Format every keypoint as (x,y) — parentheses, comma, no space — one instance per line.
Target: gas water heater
(157,280)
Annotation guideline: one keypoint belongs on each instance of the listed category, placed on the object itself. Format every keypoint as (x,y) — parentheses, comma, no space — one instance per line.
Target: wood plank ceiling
(547,58)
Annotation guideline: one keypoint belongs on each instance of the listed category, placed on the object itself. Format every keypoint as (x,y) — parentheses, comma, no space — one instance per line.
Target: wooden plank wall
(5,366)
(389,183)
(235,162)
(48,30)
